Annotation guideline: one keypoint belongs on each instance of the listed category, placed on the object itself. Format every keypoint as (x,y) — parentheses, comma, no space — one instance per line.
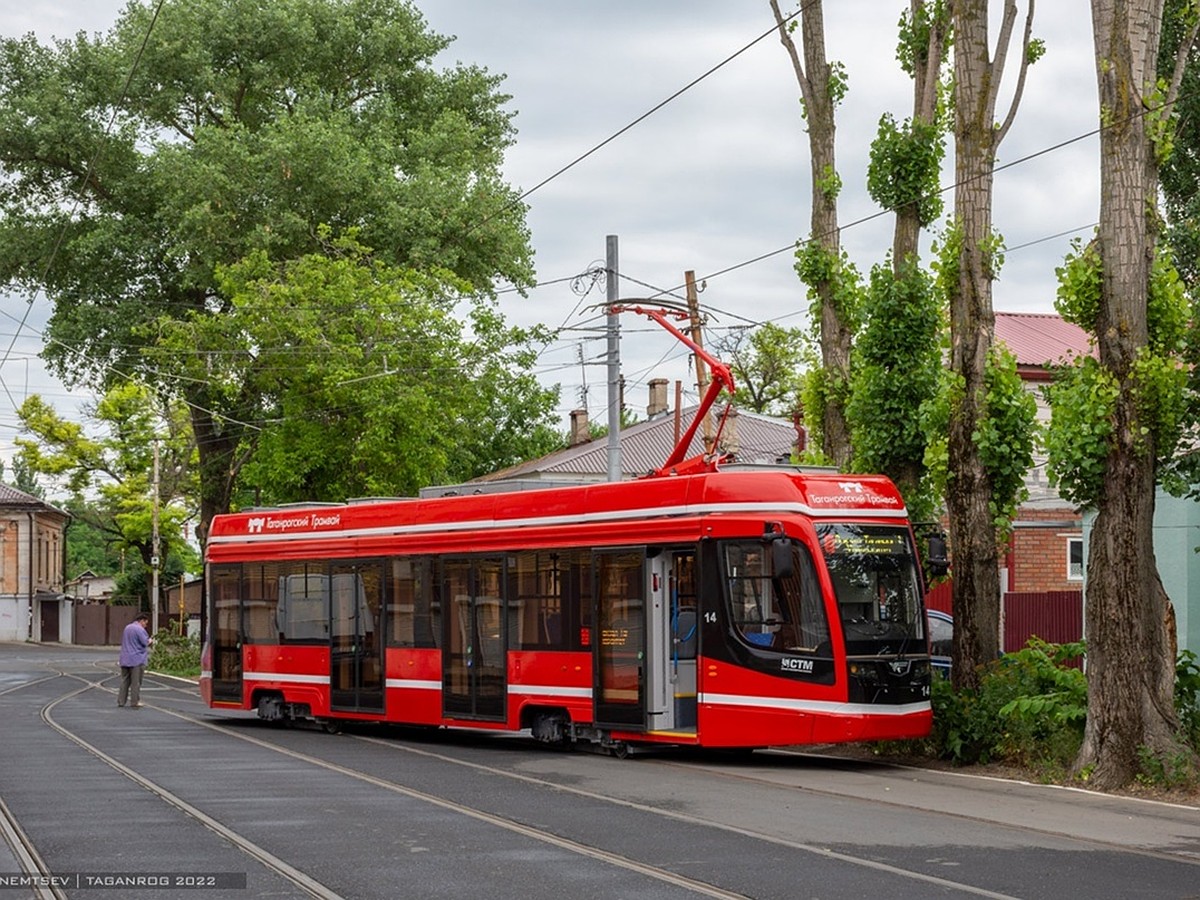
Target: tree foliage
(108,477)
(371,383)
(906,167)
(139,163)
(767,364)
(896,362)
(1084,398)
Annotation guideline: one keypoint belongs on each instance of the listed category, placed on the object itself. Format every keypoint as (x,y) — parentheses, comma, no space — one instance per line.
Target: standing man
(135,653)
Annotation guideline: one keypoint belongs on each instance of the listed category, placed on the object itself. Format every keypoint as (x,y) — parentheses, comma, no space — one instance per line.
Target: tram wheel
(620,750)
(332,726)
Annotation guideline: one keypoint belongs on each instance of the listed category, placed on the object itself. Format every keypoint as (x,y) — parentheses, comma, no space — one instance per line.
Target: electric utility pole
(614,361)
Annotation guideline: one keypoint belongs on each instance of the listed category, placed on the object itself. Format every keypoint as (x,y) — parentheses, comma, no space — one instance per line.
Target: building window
(1074,559)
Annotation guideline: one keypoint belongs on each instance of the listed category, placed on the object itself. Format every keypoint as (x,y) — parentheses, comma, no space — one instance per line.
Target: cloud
(720,175)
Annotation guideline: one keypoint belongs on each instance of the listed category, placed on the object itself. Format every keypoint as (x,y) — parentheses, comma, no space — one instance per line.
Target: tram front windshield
(874,575)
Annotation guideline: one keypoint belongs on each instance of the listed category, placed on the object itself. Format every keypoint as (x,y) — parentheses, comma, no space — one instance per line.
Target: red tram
(727,608)
(698,606)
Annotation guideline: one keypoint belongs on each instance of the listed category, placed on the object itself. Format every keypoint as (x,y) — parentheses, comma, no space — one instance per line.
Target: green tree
(109,478)
(766,363)
(897,362)
(137,163)
(1180,171)
(24,479)
(370,384)
(820,262)
(1180,175)
(89,548)
(1117,417)
(970,262)
(898,354)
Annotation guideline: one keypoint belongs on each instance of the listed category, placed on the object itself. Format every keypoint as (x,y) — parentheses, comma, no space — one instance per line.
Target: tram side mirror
(939,562)
(781,557)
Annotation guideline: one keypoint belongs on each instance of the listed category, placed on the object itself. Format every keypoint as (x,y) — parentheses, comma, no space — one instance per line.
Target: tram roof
(756,491)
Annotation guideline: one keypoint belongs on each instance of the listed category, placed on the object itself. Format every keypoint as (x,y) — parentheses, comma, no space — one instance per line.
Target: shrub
(1187,697)
(175,654)
(1030,710)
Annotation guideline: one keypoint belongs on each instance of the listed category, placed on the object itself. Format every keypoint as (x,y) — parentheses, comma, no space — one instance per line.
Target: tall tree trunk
(1130,626)
(926,71)
(977,77)
(836,333)
(217,448)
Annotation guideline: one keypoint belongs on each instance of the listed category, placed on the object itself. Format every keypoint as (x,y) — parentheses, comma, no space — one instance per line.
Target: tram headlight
(865,672)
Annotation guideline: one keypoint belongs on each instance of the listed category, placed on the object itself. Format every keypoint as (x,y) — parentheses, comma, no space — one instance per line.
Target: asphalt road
(174,800)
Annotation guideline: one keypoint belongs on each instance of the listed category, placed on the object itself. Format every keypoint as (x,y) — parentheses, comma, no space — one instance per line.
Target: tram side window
(786,614)
(261,602)
(226,586)
(684,605)
(620,589)
(536,587)
(412,612)
(578,626)
(304,603)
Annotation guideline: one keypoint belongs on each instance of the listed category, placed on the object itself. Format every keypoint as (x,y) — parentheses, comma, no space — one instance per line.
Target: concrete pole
(614,362)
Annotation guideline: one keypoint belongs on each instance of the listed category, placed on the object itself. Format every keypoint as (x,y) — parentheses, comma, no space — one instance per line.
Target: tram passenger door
(225,586)
(684,637)
(356,639)
(619,688)
(474,661)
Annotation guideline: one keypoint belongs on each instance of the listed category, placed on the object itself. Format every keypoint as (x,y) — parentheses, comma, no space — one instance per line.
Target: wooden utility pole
(693,302)
(614,359)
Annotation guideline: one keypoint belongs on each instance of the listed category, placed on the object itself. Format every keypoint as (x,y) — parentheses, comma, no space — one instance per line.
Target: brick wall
(1037,556)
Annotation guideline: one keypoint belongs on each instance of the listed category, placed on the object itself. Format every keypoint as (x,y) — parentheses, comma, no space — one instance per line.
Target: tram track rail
(709,769)
(547,837)
(742,777)
(279,866)
(308,884)
(27,857)
(1188,859)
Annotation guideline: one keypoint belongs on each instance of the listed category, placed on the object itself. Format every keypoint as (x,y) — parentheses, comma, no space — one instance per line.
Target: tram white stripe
(547,690)
(825,707)
(287,677)
(414,684)
(653,512)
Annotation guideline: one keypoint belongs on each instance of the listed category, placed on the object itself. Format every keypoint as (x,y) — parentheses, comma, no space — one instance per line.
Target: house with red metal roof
(1041,579)
(1046,550)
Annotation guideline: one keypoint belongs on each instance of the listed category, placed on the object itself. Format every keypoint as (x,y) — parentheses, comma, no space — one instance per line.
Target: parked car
(941,634)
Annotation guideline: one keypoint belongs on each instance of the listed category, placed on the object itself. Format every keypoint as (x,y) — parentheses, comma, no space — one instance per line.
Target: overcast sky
(711,182)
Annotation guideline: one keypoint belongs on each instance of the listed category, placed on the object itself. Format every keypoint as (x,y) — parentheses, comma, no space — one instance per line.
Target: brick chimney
(579,428)
(658,398)
(801,431)
(731,442)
